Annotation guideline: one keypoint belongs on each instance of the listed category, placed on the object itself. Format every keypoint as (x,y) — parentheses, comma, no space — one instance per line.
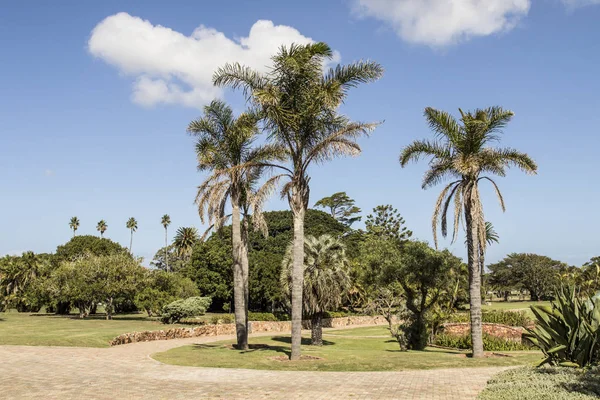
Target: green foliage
(185,240)
(510,318)
(222,319)
(261,316)
(22,281)
(87,244)
(341,207)
(173,312)
(490,343)
(161,288)
(550,383)
(176,262)
(568,332)
(387,221)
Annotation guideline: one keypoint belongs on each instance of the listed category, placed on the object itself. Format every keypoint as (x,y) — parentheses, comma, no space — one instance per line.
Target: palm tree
(299,106)
(224,147)
(132,226)
(461,153)
(74,224)
(326,279)
(166,221)
(184,241)
(101,227)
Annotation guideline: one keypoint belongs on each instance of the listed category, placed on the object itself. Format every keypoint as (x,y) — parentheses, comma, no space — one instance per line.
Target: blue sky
(93,121)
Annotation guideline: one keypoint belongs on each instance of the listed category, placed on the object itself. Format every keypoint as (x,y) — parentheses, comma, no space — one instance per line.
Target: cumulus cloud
(172,68)
(439,23)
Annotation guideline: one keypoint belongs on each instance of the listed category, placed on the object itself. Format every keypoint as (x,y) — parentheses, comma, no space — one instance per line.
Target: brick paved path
(128,372)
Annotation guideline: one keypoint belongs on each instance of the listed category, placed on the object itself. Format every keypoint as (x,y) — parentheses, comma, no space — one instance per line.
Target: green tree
(184,241)
(132,226)
(176,262)
(341,207)
(74,224)
(161,288)
(101,227)
(462,153)
(387,221)
(86,244)
(20,285)
(299,106)
(224,147)
(166,221)
(326,279)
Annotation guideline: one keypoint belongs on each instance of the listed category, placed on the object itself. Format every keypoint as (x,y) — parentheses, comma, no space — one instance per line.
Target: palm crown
(184,241)
(165,221)
(101,227)
(74,224)
(131,224)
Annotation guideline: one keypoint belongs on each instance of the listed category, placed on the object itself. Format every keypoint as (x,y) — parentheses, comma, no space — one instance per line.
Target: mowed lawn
(515,306)
(53,330)
(344,350)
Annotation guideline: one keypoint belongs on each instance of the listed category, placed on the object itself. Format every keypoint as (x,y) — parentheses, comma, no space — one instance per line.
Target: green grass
(515,306)
(379,330)
(52,330)
(340,353)
(543,384)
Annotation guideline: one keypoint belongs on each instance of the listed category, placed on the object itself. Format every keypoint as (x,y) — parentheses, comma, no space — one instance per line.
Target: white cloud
(170,67)
(579,3)
(440,23)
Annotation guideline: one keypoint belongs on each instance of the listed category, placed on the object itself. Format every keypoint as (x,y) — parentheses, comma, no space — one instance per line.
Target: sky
(95,98)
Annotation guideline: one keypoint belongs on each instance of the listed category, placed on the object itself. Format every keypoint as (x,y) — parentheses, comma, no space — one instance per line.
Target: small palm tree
(326,279)
(166,221)
(462,153)
(101,227)
(299,106)
(132,226)
(184,241)
(74,224)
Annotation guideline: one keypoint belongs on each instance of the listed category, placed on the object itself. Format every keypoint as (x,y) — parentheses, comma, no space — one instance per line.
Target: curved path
(128,372)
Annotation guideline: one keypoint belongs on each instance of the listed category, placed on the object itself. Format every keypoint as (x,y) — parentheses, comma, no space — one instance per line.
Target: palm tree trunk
(316,332)
(238,275)
(131,241)
(474,279)
(298,211)
(245,271)
(166,250)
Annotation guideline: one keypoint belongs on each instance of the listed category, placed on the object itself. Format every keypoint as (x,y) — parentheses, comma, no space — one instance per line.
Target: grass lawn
(543,384)
(514,305)
(340,353)
(52,330)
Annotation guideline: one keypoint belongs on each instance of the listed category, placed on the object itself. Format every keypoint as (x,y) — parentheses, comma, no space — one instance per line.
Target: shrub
(567,333)
(510,318)
(222,319)
(179,309)
(490,343)
(543,384)
(261,316)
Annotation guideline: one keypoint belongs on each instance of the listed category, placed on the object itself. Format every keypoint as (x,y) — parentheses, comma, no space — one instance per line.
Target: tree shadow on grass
(586,383)
(305,341)
(252,348)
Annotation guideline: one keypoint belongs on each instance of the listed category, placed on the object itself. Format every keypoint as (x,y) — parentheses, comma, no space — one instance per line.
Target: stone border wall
(513,333)
(229,329)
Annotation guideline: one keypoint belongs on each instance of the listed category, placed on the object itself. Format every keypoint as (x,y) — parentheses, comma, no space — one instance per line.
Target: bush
(261,316)
(179,309)
(222,319)
(543,384)
(510,318)
(490,343)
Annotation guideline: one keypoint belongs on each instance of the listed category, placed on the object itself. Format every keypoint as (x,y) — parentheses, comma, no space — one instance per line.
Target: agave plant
(567,332)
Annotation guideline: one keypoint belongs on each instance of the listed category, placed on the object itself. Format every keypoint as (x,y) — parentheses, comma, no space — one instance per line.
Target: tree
(299,109)
(461,152)
(341,207)
(325,279)
(184,241)
(166,221)
(387,221)
(176,262)
(74,224)
(161,288)
(20,285)
(132,226)
(87,244)
(101,227)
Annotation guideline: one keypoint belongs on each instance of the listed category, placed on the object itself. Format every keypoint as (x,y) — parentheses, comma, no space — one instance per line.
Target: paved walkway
(128,372)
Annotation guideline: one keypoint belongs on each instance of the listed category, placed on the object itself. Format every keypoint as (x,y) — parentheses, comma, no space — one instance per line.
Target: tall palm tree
(166,221)
(326,279)
(101,227)
(461,153)
(184,241)
(224,147)
(74,224)
(132,226)
(299,106)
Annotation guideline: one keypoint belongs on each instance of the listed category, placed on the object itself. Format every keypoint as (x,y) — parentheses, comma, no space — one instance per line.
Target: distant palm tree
(224,147)
(132,226)
(101,227)
(326,279)
(166,221)
(184,241)
(462,153)
(300,109)
(74,224)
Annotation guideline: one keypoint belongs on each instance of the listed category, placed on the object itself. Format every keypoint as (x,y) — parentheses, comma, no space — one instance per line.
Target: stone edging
(229,329)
